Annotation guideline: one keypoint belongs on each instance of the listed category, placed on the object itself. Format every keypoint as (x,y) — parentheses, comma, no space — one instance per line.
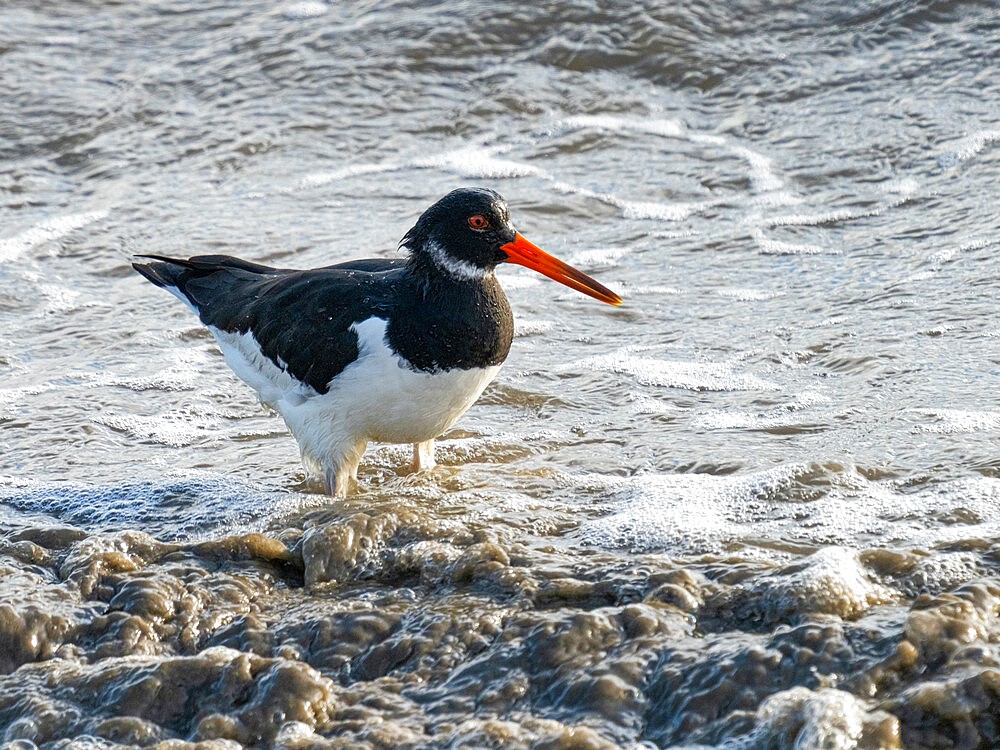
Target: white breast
(392,403)
(377,397)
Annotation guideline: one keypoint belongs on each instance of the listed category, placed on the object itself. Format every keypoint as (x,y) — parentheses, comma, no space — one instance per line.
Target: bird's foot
(423,456)
(337,485)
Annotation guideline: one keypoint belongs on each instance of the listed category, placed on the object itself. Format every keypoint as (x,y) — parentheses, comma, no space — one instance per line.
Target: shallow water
(758,506)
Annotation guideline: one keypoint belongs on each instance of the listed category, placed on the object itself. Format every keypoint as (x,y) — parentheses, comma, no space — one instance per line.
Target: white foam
(14,396)
(656,210)
(318,179)
(642,404)
(696,376)
(775,198)
(762,174)
(524,328)
(497,448)
(467,161)
(601,257)
(46,231)
(653,289)
(523,280)
(943,570)
(477,161)
(62,299)
(701,512)
(780,416)
(173,428)
(957,420)
(946,254)
(972,144)
(769,246)
(182,369)
(826,718)
(637,209)
(824,217)
(304,10)
(943,255)
(898,192)
(904,187)
(832,580)
(749,295)
(192,504)
(685,512)
(978,244)
(620,124)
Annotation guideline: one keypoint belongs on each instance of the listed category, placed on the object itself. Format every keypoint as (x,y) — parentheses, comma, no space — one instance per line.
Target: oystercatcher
(386,350)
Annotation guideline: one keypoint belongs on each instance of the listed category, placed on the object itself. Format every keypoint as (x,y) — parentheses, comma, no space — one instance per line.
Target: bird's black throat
(442,323)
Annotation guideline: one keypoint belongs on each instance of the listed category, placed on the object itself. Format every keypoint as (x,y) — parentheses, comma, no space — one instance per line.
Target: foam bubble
(696,376)
(946,254)
(749,295)
(653,289)
(826,718)
(769,246)
(762,176)
(971,145)
(957,420)
(184,373)
(804,719)
(690,512)
(642,404)
(521,280)
(781,416)
(904,187)
(830,581)
(702,512)
(637,209)
(14,396)
(899,192)
(656,210)
(478,161)
(304,10)
(318,179)
(667,128)
(61,299)
(524,328)
(824,217)
(174,429)
(605,256)
(46,231)
(191,505)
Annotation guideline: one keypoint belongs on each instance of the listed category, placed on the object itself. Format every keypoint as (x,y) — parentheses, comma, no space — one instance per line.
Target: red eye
(478,221)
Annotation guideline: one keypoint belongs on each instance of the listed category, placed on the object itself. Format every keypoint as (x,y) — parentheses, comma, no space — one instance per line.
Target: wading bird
(386,350)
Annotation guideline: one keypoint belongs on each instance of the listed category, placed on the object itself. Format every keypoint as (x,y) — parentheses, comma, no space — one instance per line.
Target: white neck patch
(454,267)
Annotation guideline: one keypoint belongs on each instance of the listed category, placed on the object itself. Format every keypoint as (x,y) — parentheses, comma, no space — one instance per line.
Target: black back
(302,319)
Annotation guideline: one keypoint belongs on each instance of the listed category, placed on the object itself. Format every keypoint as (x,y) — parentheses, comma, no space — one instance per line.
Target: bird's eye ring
(478,221)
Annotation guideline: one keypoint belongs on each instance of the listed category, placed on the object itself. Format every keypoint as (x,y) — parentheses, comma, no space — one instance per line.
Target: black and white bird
(386,350)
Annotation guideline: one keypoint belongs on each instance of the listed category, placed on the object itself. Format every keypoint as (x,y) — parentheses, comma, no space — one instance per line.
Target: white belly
(377,397)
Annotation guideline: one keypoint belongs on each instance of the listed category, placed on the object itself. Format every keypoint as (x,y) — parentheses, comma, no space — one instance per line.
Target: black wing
(301,319)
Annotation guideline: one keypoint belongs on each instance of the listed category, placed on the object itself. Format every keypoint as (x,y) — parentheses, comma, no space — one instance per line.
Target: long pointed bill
(525,253)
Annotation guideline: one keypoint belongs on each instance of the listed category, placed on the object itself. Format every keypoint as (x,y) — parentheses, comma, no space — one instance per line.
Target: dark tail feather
(176,271)
(164,272)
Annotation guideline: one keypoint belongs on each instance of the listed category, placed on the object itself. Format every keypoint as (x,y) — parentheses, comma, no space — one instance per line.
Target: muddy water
(758,506)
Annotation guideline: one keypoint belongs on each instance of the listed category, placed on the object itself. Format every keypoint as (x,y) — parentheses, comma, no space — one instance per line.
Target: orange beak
(525,253)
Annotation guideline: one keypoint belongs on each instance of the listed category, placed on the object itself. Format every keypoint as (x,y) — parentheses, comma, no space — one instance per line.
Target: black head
(468,232)
(461,235)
